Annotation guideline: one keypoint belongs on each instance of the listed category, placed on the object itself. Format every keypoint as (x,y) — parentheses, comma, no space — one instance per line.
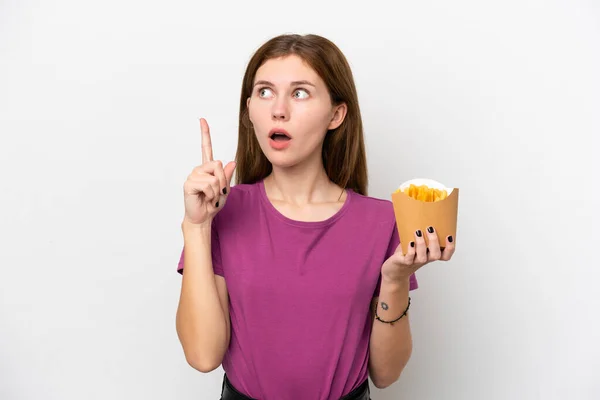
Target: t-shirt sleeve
(215,252)
(392,246)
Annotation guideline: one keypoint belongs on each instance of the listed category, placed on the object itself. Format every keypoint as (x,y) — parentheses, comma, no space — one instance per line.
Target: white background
(99,107)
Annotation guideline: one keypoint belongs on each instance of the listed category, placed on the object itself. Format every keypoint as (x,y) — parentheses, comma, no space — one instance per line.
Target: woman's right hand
(206,188)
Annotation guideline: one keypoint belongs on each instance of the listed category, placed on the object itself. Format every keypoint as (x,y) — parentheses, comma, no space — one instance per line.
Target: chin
(282,160)
(279,159)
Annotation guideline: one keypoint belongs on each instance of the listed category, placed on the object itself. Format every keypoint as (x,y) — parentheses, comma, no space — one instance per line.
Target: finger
(229,168)
(220,175)
(207,154)
(421,251)
(197,186)
(435,253)
(201,175)
(227,173)
(449,250)
(213,172)
(208,168)
(400,257)
(214,183)
(409,257)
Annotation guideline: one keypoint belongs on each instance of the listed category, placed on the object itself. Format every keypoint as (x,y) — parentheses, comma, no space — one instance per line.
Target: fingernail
(224,190)
(412,244)
(217,205)
(419,233)
(450,239)
(430,229)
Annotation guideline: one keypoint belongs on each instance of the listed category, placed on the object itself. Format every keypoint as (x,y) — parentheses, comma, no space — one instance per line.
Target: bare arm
(203,311)
(391,345)
(203,325)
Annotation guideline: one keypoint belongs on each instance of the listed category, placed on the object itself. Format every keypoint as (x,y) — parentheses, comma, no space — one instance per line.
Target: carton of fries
(420,203)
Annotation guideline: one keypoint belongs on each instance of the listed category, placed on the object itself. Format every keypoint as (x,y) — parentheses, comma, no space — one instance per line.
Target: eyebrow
(294,83)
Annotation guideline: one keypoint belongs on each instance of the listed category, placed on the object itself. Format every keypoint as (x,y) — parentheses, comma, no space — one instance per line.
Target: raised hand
(207,187)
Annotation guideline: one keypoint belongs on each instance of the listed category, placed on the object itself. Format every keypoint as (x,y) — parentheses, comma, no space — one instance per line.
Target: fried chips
(424,193)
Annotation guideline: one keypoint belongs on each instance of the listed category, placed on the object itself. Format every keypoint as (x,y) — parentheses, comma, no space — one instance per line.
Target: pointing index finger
(207,154)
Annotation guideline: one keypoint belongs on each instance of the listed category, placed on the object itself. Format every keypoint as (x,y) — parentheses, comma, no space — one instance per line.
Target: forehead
(282,71)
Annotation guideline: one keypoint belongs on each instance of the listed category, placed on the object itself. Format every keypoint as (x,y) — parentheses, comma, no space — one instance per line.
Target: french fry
(424,193)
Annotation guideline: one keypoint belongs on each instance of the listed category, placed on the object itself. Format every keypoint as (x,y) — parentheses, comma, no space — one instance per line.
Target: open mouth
(279,136)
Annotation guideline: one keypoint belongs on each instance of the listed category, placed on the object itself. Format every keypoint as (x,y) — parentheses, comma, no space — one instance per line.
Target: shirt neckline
(304,224)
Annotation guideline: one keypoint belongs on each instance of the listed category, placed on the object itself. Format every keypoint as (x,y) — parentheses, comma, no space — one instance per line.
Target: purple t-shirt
(300,293)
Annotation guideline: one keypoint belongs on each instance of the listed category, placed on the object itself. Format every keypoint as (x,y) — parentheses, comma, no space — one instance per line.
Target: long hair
(344,156)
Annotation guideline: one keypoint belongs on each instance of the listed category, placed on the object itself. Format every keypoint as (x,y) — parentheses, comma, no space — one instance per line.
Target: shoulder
(373,209)
(241,199)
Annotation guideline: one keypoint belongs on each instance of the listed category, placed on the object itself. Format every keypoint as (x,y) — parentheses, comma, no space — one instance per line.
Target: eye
(301,91)
(264,92)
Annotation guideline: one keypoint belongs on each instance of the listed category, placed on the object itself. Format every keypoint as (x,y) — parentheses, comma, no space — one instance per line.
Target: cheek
(254,112)
(317,115)
(316,122)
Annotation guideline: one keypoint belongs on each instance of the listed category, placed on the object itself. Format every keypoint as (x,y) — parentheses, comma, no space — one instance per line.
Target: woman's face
(289,97)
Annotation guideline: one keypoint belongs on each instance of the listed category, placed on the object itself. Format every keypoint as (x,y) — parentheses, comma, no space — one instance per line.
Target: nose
(280,110)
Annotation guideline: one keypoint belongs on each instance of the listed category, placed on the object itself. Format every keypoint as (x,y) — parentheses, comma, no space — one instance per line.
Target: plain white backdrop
(99,108)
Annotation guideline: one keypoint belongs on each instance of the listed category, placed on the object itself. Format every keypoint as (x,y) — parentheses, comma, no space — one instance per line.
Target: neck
(302,184)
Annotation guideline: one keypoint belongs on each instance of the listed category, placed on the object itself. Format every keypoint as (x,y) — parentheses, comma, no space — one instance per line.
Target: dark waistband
(228,392)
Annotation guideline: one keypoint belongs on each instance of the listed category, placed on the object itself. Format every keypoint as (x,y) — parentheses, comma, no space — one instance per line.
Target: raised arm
(202,320)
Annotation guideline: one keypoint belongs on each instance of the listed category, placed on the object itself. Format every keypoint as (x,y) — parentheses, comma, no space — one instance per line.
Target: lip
(279,145)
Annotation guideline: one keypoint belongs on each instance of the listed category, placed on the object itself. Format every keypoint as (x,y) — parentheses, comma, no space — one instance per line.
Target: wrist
(395,284)
(190,228)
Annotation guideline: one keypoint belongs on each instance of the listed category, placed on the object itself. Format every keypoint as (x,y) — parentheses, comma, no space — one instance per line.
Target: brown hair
(344,156)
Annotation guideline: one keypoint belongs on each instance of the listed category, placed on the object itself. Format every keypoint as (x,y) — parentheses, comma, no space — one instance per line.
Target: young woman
(294,278)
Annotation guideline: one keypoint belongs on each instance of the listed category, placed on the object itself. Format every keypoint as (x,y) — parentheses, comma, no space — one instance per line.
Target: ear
(248,108)
(339,113)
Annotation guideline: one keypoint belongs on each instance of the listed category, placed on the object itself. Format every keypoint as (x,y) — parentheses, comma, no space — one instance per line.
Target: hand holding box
(420,203)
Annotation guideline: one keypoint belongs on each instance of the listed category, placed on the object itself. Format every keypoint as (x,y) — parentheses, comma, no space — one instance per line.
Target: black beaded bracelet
(397,319)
